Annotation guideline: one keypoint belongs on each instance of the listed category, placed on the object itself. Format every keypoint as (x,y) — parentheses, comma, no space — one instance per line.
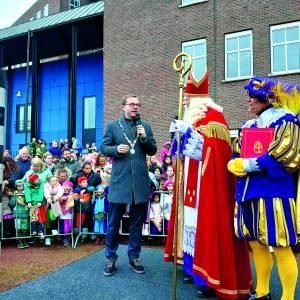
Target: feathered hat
(280,94)
(197,88)
(260,88)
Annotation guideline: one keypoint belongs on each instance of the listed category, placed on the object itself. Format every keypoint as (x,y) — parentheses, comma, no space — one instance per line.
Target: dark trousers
(137,217)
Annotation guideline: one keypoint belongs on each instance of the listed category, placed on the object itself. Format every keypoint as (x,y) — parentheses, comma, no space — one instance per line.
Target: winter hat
(168,182)
(33,177)
(81,179)
(68,183)
(100,186)
(17,182)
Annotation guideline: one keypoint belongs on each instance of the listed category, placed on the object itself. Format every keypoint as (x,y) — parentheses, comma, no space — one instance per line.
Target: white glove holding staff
(179,126)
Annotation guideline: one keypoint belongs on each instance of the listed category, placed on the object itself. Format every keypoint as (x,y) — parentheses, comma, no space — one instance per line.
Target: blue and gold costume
(266,194)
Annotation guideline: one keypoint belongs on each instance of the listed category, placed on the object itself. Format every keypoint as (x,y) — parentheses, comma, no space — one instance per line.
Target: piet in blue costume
(266,192)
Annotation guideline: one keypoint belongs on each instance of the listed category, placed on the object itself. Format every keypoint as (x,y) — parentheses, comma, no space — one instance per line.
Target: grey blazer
(129,171)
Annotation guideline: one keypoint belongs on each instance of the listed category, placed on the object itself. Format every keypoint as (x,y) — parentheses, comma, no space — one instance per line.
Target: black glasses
(134,104)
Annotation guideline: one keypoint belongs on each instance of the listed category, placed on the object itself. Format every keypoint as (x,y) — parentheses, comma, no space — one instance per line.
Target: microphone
(138,122)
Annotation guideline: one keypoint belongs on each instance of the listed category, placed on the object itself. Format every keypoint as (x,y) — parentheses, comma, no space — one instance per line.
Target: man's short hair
(124,98)
(66,149)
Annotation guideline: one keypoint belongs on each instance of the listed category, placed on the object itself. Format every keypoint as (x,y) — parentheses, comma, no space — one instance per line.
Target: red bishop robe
(220,257)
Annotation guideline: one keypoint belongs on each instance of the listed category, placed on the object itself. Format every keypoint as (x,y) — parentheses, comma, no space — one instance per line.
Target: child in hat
(82,203)
(67,204)
(34,198)
(53,192)
(100,209)
(21,214)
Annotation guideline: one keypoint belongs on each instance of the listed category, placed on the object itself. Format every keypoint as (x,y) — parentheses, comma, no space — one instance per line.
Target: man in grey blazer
(127,140)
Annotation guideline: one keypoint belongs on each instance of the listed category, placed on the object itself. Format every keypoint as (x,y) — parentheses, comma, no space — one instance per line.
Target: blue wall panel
(53,108)
(18,82)
(90,83)
(53,105)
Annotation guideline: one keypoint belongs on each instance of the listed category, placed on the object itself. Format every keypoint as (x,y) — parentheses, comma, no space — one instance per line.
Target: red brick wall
(141,39)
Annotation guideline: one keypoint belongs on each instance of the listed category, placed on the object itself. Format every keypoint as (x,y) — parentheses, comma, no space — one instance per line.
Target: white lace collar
(268,117)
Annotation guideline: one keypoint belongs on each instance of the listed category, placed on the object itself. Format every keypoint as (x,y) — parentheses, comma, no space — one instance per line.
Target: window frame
(238,34)
(84,111)
(74,4)
(46,9)
(285,26)
(18,119)
(38,14)
(192,43)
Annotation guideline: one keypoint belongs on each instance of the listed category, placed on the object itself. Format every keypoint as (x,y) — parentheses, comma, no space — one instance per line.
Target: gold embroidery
(215,130)
(206,160)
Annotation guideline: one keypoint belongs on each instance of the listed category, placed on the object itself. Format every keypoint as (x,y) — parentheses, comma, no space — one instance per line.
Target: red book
(256,141)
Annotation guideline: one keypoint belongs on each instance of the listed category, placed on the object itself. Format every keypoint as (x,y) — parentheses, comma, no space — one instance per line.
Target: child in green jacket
(20,213)
(34,197)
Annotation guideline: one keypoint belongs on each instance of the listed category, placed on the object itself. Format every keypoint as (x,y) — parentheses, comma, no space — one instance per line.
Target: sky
(11,10)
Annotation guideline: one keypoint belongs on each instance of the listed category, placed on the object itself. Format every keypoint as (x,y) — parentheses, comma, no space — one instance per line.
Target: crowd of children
(64,190)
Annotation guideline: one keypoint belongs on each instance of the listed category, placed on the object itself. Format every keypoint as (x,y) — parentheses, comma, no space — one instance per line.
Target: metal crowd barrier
(166,210)
(30,236)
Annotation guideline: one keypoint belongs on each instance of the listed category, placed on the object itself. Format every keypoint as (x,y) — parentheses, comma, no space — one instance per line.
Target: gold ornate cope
(181,61)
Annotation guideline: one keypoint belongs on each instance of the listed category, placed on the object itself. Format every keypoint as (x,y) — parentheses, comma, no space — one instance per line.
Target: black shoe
(254,296)
(109,268)
(136,266)
(206,292)
(32,242)
(188,279)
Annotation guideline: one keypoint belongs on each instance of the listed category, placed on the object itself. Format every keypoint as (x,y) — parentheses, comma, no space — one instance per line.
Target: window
(46,10)
(198,51)
(20,123)
(238,55)
(39,14)
(89,110)
(74,4)
(189,2)
(285,48)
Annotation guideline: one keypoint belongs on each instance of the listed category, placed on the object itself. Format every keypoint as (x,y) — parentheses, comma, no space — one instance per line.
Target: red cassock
(220,257)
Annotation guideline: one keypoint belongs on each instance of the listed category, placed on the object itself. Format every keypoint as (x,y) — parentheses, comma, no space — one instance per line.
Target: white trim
(191,2)
(238,51)
(285,43)
(1,135)
(2,97)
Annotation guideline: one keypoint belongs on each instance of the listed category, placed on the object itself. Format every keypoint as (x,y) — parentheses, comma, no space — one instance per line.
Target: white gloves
(194,146)
(179,126)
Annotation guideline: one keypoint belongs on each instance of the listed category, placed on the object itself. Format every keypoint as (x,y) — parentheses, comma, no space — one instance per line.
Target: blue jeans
(137,217)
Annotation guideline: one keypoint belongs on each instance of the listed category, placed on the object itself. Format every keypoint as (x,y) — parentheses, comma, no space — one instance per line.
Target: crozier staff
(127,140)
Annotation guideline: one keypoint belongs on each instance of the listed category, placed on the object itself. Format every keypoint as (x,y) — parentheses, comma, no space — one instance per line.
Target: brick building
(44,8)
(235,39)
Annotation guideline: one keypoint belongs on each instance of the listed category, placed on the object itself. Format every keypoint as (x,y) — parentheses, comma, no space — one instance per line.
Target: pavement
(84,279)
